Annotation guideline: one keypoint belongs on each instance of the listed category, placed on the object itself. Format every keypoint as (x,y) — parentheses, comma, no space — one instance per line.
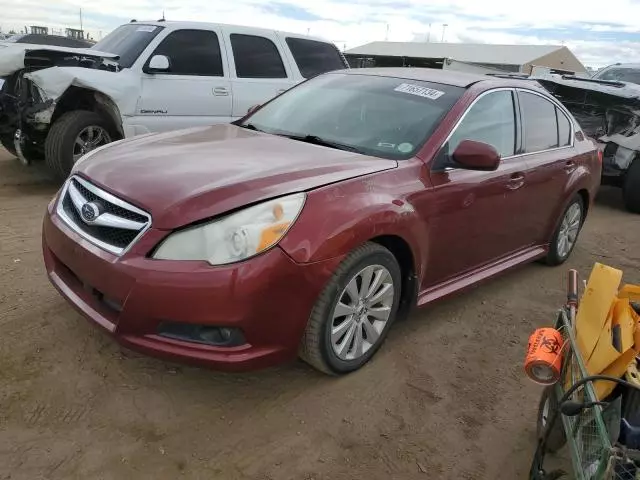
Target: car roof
(621,65)
(447,77)
(178,24)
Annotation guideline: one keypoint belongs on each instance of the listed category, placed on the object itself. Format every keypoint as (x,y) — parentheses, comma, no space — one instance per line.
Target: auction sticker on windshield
(419,91)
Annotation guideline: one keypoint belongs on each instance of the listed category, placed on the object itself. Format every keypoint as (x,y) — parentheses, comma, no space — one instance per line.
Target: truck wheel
(73,135)
(631,188)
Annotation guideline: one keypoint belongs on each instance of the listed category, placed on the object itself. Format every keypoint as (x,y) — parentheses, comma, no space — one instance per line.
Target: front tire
(73,135)
(566,235)
(631,187)
(354,312)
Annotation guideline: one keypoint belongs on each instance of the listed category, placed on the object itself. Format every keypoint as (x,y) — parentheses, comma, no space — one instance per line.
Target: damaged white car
(609,112)
(57,104)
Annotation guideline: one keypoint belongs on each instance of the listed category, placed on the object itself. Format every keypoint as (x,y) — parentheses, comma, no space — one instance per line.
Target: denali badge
(89,212)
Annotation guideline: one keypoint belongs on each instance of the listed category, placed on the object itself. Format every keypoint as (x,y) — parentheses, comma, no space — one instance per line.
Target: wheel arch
(404,255)
(79,98)
(577,187)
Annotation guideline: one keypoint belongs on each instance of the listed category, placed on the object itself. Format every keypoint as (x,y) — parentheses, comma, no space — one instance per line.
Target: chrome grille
(100,217)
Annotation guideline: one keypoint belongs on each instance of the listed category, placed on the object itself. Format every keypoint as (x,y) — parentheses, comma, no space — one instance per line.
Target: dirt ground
(445,398)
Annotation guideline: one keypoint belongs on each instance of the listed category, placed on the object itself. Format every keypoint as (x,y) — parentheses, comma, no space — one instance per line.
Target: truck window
(313,57)
(256,57)
(192,52)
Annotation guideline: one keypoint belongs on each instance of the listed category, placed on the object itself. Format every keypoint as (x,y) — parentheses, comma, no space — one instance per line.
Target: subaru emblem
(89,212)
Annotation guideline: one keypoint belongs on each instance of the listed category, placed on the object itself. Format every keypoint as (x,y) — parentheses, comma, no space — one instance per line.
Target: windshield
(621,74)
(380,116)
(128,41)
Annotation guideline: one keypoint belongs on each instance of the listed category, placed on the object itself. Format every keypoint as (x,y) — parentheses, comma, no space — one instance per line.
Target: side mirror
(472,155)
(252,109)
(159,63)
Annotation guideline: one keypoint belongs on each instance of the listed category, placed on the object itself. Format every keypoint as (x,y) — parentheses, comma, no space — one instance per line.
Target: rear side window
(539,123)
(564,129)
(313,57)
(192,52)
(490,120)
(256,57)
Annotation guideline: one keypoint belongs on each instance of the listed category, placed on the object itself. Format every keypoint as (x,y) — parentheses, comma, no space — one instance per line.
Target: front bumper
(269,297)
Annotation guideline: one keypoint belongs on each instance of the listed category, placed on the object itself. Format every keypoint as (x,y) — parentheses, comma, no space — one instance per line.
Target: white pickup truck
(59,103)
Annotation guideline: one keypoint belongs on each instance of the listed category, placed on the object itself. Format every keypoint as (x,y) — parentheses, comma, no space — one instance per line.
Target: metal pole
(386,38)
(81,30)
(429,34)
(444,27)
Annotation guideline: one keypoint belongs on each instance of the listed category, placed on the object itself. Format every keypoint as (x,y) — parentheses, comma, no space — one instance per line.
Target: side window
(313,57)
(539,122)
(564,128)
(491,120)
(192,52)
(256,57)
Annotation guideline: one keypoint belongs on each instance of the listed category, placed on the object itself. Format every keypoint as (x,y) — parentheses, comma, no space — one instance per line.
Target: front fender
(339,218)
(121,87)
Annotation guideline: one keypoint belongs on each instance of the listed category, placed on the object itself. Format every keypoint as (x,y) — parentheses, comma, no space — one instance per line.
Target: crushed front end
(26,112)
(25,116)
(608,112)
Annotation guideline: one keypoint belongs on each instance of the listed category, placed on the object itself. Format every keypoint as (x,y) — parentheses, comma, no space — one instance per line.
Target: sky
(599,33)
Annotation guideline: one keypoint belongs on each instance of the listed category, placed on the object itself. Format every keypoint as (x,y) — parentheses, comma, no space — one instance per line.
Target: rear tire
(631,187)
(60,146)
(546,408)
(319,346)
(568,230)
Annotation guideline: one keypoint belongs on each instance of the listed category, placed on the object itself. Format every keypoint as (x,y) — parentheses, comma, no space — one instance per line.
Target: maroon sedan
(309,226)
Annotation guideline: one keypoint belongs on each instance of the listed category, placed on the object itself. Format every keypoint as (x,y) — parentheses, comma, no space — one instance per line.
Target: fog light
(209,335)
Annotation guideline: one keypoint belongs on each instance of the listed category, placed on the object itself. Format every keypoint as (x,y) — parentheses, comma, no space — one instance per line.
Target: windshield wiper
(316,140)
(251,126)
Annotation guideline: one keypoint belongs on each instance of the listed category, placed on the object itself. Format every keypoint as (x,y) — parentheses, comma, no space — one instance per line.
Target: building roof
(464,52)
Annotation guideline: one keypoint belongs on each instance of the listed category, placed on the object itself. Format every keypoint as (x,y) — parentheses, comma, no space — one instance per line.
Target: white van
(145,77)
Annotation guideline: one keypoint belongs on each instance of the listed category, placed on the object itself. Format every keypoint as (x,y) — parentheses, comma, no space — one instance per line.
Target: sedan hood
(188,175)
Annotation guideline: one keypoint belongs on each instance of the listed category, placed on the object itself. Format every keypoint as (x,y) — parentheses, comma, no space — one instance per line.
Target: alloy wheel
(569,230)
(362,312)
(89,139)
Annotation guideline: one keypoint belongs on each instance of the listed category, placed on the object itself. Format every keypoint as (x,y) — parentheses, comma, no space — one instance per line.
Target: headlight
(236,237)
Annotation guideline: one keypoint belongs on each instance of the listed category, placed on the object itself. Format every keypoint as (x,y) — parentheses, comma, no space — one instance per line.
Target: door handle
(282,90)
(570,166)
(220,92)
(516,180)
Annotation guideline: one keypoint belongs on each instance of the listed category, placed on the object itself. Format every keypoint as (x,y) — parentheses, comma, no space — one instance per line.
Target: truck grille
(101,218)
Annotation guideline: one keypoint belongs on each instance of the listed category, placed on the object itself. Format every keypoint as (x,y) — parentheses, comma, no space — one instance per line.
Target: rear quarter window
(539,122)
(314,57)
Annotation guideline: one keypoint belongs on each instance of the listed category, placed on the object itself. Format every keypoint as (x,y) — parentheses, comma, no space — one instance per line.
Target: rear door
(259,68)
(194,91)
(547,146)
(475,217)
